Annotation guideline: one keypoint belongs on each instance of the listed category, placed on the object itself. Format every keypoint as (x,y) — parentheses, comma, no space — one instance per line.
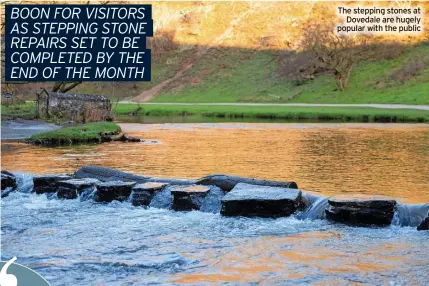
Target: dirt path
(154,91)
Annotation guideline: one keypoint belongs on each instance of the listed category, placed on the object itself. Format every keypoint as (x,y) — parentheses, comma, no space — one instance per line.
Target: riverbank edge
(309,114)
(288,113)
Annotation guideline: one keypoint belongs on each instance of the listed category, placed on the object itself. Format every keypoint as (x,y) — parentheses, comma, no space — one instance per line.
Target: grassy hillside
(230,52)
(246,76)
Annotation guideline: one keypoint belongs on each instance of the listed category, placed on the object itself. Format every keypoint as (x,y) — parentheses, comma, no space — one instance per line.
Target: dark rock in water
(260,201)
(361,210)
(189,197)
(227,183)
(8,183)
(142,194)
(48,183)
(106,137)
(126,138)
(115,190)
(424,225)
(70,189)
(108,174)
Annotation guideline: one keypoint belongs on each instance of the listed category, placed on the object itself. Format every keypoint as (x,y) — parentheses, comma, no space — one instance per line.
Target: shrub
(412,68)
(335,53)
(299,67)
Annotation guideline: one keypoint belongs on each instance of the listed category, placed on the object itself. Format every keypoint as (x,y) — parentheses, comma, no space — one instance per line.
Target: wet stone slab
(424,225)
(189,198)
(8,180)
(260,201)
(142,194)
(8,183)
(114,190)
(70,189)
(48,183)
(361,210)
(227,182)
(108,175)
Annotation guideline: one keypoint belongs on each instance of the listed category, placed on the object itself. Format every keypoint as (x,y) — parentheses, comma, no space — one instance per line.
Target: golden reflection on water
(290,257)
(391,160)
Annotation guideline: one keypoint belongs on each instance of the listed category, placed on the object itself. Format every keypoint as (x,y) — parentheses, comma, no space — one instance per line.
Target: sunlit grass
(85,132)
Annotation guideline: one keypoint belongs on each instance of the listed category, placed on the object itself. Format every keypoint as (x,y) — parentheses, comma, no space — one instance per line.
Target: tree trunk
(347,75)
(339,80)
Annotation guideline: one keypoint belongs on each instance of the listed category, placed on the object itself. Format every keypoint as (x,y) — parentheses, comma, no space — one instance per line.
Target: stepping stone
(48,183)
(361,209)
(142,194)
(424,225)
(115,190)
(260,201)
(8,180)
(227,183)
(70,189)
(8,183)
(189,198)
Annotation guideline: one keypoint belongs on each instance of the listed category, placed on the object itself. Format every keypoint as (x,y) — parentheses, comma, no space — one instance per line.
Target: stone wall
(74,107)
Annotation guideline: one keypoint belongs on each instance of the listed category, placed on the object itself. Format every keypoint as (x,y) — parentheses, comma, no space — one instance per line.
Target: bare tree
(298,66)
(335,53)
(64,86)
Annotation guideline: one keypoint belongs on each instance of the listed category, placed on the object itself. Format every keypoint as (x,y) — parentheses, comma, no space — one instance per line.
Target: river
(82,243)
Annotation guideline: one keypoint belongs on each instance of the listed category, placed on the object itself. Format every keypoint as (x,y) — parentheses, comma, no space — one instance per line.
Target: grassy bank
(25,111)
(86,133)
(292,113)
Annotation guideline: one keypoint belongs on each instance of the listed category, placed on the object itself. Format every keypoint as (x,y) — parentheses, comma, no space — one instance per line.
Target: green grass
(81,133)
(252,76)
(293,113)
(25,110)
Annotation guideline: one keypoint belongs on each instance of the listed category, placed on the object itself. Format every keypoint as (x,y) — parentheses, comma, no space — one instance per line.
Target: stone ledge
(70,189)
(114,190)
(48,183)
(189,197)
(361,210)
(142,194)
(260,201)
(227,183)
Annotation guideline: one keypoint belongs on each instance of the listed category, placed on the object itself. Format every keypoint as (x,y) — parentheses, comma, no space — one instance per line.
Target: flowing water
(79,242)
